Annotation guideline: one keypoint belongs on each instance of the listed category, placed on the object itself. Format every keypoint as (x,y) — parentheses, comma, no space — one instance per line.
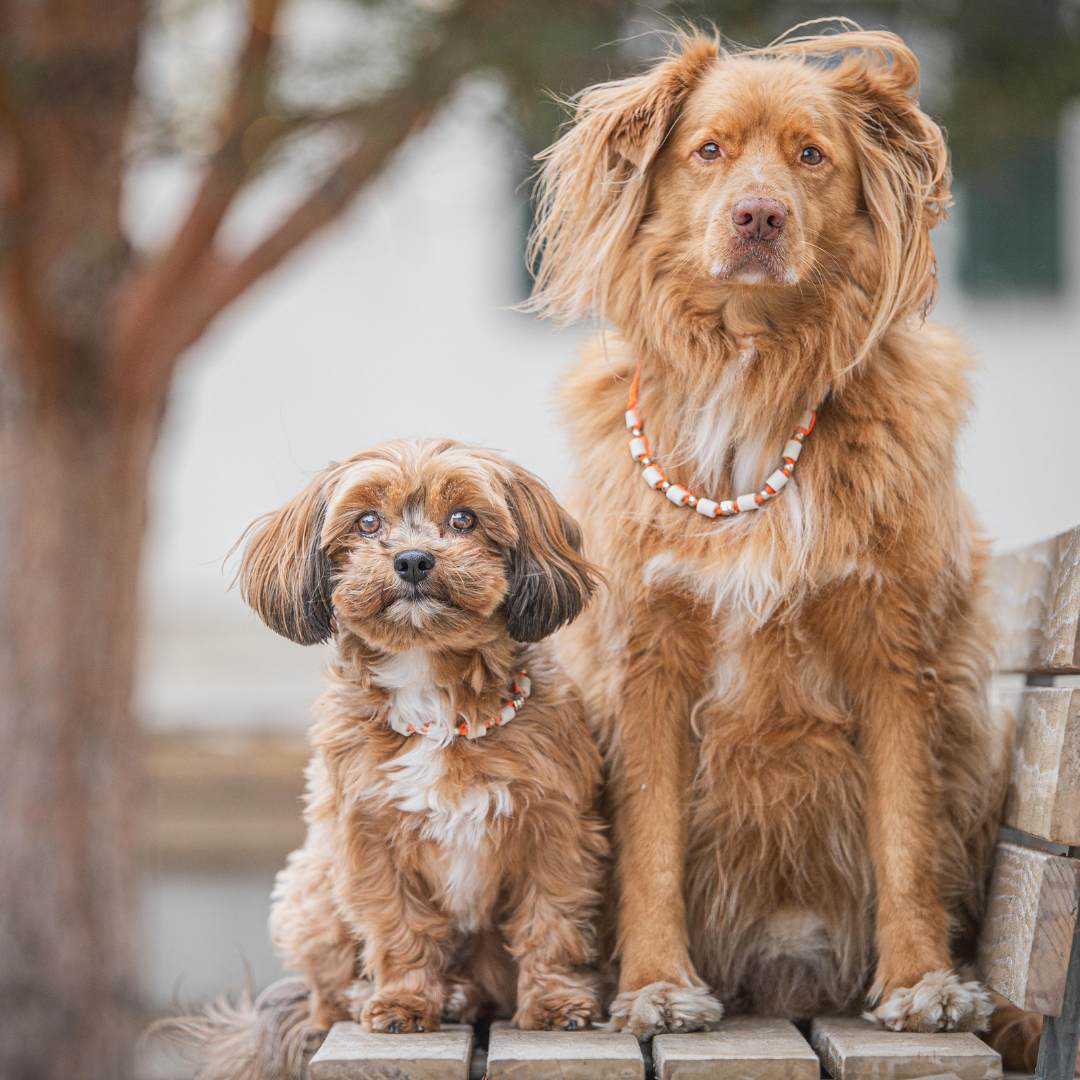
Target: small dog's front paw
(400,1013)
(663,1006)
(571,1009)
(939,1001)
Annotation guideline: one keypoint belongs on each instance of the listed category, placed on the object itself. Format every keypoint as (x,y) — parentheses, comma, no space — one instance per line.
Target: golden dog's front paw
(663,1006)
(393,1013)
(939,1001)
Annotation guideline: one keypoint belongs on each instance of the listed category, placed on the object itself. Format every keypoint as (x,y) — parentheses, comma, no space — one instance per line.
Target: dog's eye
(368,523)
(462,520)
(811,155)
(709,151)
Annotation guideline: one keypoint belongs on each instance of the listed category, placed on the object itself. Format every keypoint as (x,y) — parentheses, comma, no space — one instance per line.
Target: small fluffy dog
(454,852)
(788,675)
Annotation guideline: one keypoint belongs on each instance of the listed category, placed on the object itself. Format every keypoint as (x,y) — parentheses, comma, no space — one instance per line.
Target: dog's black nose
(759,219)
(414,566)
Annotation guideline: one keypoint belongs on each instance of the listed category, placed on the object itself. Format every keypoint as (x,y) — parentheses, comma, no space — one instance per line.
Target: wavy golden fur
(442,876)
(802,769)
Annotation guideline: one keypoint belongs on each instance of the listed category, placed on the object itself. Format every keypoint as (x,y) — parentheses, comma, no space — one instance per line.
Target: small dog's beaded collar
(522,688)
(655,478)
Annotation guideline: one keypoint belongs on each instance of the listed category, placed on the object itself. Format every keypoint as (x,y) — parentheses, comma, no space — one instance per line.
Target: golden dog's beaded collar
(522,688)
(655,478)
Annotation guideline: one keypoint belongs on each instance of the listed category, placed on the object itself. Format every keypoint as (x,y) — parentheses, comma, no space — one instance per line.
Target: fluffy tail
(1014,1034)
(264,1039)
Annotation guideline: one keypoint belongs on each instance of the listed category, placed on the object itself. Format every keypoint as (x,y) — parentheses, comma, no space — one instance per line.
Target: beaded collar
(655,478)
(522,688)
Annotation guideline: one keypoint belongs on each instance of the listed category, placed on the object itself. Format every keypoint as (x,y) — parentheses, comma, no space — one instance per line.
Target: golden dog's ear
(286,575)
(593,181)
(549,582)
(904,169)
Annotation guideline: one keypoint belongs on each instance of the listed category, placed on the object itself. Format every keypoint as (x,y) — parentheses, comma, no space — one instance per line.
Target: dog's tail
(265,1038)
(1014,1034)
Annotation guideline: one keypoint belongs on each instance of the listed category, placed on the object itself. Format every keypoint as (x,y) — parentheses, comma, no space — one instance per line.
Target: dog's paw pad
(939,1001)
(400,1014)
(661,1007)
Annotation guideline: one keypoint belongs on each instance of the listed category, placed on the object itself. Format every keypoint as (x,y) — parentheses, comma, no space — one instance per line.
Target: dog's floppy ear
(549,582)
(593,182)
(286,575)
(903,166)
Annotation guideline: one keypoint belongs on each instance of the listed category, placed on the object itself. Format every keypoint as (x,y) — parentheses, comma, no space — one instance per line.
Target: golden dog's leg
(914,985)
(404,939)
(652,762)
(554,891)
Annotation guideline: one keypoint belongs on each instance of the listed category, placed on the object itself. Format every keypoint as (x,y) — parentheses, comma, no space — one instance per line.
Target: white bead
(523,685)
(806,421)
(677,494)
(632,419)
(746,502)
(777,480)
(639,448)
(793,450)
(506,714)
(653,476)
(706,507)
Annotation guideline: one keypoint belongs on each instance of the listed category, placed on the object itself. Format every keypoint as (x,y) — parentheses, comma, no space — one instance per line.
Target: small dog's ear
(549,582)
(286,575)
(593,182)
(903,165)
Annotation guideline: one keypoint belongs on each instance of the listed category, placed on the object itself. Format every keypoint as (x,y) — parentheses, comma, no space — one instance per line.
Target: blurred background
(398,321)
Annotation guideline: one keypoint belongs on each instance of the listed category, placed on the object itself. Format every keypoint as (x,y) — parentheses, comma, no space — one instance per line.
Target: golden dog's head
(418,543)
(713,174)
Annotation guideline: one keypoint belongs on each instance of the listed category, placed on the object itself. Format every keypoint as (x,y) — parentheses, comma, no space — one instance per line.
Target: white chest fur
(456,820)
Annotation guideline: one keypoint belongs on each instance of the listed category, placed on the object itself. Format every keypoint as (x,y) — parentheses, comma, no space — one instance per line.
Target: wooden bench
(1026,951)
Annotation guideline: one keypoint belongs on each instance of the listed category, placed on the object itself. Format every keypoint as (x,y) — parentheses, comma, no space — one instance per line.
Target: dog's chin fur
(804,686)
(440,875)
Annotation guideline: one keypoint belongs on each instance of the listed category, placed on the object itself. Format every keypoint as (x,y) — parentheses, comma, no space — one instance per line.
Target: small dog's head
(788,166)
(409,544)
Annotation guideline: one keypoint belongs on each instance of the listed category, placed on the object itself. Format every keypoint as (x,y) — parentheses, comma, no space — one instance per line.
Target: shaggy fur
(803,771)
(440,877)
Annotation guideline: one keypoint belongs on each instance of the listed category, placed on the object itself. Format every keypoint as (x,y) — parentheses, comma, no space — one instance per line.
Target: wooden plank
(1044,787)
(1060,1037)
(741,1048)
(563,1055)
(1027,933)
(1037,591)
(853,1049)
(350,1053)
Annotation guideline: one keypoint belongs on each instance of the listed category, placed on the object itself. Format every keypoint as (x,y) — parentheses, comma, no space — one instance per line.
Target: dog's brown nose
(758,219)
(414,566)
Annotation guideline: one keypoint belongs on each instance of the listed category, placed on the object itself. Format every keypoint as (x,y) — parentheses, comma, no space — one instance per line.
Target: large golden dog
(791,696)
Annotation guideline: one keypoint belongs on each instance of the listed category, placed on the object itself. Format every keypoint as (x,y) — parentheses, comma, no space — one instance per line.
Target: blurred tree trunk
(74,452)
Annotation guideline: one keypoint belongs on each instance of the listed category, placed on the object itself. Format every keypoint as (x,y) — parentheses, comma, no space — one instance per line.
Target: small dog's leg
(652,771)
(550,931)
(404,940)
(914,988)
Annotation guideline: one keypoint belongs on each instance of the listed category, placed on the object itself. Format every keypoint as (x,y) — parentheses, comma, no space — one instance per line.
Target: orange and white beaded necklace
(522,688)
(655,478)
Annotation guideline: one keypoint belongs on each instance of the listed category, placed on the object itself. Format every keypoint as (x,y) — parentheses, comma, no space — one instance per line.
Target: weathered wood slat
(1038,605)
(350,1053)
(1044,786)
(854,1049)
(742,1048)
(563,1055)
(1027,933)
